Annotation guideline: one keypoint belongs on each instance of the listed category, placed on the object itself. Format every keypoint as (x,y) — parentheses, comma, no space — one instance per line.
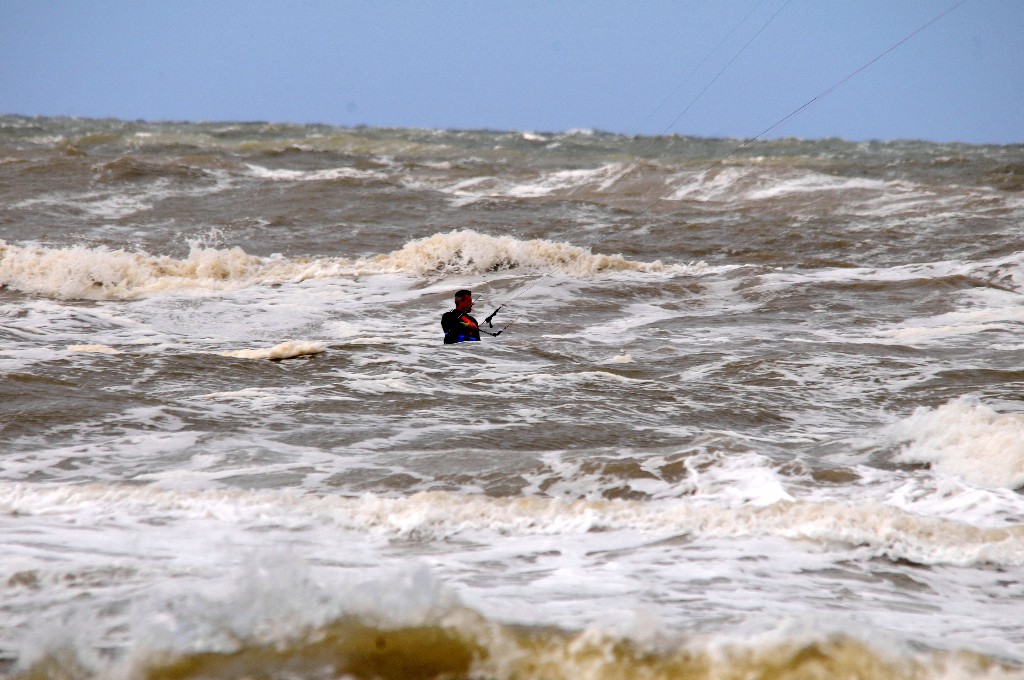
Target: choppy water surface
(757,418)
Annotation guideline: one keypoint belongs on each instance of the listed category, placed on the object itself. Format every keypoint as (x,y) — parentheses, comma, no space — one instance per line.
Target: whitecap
(967,439)
(285,350)
(94,349)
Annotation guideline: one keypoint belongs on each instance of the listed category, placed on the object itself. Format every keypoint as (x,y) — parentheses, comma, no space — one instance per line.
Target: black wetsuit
(456,330)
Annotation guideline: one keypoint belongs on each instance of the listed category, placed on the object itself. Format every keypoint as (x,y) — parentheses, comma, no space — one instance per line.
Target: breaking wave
(464,645)
(467,251)
(408,624)
(966,439)
(100,273)
(886,530)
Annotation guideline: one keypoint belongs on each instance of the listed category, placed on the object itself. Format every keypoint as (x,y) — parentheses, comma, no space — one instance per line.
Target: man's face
(465,304)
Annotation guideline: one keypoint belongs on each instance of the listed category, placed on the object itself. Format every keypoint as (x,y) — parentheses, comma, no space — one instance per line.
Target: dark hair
(459,294)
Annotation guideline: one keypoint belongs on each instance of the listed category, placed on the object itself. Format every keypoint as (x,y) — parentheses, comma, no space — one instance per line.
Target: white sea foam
(285,350)
(753,184)
(703,186)
(103,204)
(1005,274)
(466,191)
(738,480)
(965,438)
(284,175)
(886,530)
(599,179)
(94,349)
(983,310)
(815,183)
(124,202)
(947,496)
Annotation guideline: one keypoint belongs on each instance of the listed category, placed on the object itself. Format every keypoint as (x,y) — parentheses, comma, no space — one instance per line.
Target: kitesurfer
(458,325)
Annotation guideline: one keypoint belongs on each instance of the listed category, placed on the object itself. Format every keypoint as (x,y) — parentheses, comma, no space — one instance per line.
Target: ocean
(755,411)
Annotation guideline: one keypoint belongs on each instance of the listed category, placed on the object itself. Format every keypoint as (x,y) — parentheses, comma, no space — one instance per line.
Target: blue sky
(629,67)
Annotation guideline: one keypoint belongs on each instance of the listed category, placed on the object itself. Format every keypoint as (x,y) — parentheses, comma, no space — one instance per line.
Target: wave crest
(470,252)
(965,438)
(463,645)
(101,273)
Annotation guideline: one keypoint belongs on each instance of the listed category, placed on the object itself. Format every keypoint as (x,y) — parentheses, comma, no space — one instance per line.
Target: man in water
(458,325)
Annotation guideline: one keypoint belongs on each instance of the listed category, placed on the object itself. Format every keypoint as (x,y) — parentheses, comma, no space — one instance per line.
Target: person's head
(464,300)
